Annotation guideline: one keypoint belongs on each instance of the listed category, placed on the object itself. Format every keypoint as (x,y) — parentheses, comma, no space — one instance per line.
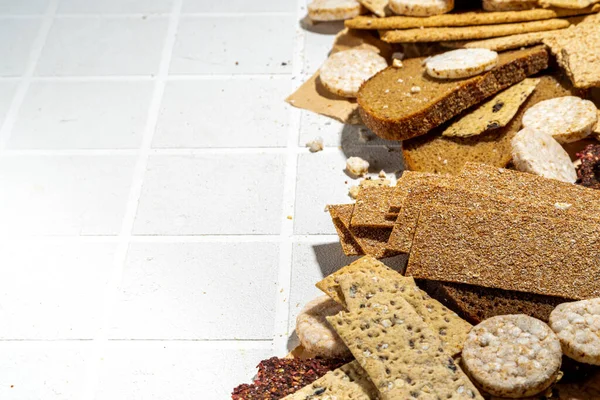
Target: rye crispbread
(392,108)
(436,153)
(451,329)
(505,42)
(341,215)
(527,253)
(577,51)
(371,206)
(403,357)
(408,180)
(460,19)
(436,34)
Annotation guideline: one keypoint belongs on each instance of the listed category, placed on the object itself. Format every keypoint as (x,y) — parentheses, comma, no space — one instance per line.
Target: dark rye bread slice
(476,303)
(402,103)
(441,154)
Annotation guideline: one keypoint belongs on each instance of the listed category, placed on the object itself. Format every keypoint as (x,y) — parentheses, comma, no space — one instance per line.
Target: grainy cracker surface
(421,8)
(577,325)
(371,207)
(505,42)
(344,72)
(333,10)
(512,356)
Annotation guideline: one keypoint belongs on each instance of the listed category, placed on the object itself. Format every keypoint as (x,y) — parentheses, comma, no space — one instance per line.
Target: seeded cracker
(577,325)
(421,8)
(470,32)
(463,63)
(371,206)
(314,332)
(402,356)
(451,329)
(345,71)
(495,113)
(527,253)
(333,10)
(509,5)
(349,381)
(537,153)
(512,356)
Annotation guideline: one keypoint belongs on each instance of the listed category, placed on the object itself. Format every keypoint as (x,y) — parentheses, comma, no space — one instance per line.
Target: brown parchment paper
(313,96)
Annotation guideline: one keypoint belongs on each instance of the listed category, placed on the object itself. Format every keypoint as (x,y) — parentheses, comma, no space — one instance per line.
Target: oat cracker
(421,8)
(538,153)
(345,71)
(314,332)
(333,10)
(462,63)
(577,325)
(512,356)
(567,119)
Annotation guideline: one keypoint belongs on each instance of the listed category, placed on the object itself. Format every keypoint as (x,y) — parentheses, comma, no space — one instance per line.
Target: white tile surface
(236,113)
(174,371)
(19,7)
(114,6)
(103,46)
(46,195)
(7,91)
(82,115)
(211,194)
(192,291)
(238,6)
(38,295)
(43,370)
(322,180)
(318,41)
(17,36)
(213,45)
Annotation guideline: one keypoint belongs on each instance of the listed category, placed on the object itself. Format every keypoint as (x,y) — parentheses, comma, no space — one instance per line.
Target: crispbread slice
(341,215)
(505,42)
(577,51)
(461,19)
(451,329)
(407,181)
(494,113)
(392,108)
(403,357)
(470,32)
(347,382)
(371,206)
(527,253)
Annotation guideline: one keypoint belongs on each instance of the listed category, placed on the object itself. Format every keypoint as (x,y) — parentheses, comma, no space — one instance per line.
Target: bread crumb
(397,63)
(400,80)
(357,166)
(353,191)
(315,145)
(415,89)
(563,206)
(382,174)
(289,217)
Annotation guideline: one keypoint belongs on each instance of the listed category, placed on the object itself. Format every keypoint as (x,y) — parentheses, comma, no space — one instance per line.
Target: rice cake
(470,32)
(333,10)
(371,206)
(421,8)
(460,64)
(527,253)
(349,381)
(451,329)
(495,113)
(392,343)
(509,5)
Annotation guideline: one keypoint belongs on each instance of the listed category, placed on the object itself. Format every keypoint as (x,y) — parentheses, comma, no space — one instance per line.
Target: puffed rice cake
(421,8)
(333,10)
(462,63)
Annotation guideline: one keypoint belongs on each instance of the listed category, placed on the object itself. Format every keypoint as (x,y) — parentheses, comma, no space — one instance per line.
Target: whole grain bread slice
(439,154)
(402,103)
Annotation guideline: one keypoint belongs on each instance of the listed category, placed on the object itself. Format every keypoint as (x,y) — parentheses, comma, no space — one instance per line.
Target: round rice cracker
(540,154)
(512,356)
(333,10)
(461,63)
(421,8)
(344,72)
(577,325)
(316,335)
(567,119)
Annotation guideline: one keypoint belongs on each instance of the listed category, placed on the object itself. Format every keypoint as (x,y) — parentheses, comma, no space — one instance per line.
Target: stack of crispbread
(519,242)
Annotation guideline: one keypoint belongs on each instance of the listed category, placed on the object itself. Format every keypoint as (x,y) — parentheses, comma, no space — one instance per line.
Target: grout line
(132,203)
(282,311)
(150,78)
(19,96)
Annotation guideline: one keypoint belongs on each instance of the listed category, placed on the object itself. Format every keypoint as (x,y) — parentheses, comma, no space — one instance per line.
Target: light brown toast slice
(402,103)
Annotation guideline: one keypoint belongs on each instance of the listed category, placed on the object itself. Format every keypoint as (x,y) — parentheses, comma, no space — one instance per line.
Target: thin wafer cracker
(494,113)
(505,42)
(461,19)
(526,253)
(470,32)
(371,206)
(403,357)
(341,216)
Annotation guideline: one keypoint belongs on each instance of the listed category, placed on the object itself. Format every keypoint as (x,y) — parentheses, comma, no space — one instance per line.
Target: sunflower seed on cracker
(540,154)
(577,325)
(512,356)
(567,119)
(333,10)
(494,113)
(421,8)
(344,72)
(462,63)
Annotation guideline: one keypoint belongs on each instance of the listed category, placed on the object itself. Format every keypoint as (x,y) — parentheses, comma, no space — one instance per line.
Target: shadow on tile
(323,28)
